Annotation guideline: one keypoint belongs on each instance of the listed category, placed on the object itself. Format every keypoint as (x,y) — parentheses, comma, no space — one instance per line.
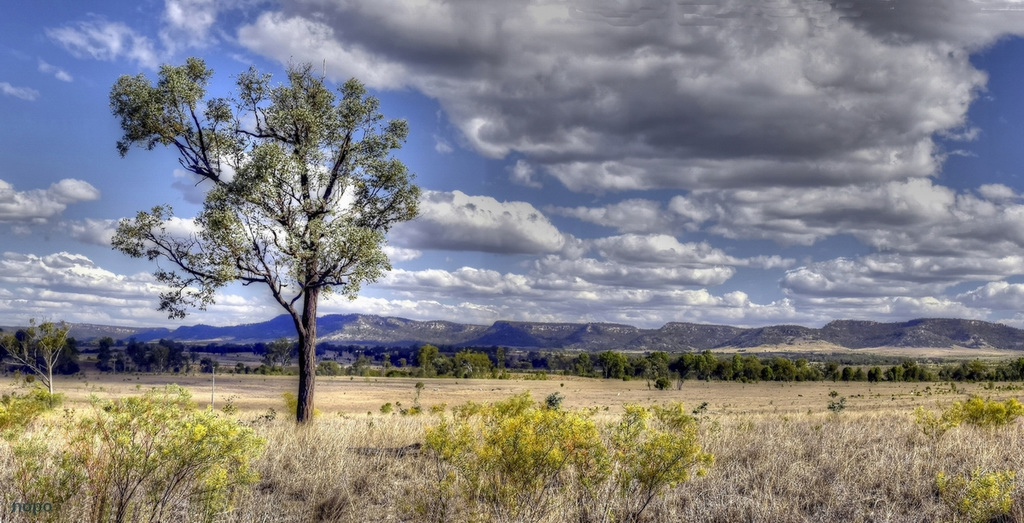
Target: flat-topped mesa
(363,329)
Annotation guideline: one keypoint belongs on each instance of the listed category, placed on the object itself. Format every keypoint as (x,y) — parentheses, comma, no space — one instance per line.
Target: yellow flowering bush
(981,496)
(654,448)
(509,457)
(991,413)
(974,411)
(136,457)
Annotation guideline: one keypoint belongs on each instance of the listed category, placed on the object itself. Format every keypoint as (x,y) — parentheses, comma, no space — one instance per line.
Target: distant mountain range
(358,329)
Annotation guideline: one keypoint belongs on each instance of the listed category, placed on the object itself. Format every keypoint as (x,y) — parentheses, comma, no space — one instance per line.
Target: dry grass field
(357,395)
(780,453)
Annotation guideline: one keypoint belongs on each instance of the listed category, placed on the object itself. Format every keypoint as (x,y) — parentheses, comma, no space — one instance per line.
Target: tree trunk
(307,356)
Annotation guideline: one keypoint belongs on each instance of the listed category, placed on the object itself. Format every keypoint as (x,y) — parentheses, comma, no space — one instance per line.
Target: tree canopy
(303,189)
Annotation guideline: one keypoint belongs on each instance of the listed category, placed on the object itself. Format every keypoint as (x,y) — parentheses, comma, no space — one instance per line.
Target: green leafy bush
(40,473)
(837,406)
(554,400)
(329,368)
(158,445)
(981,496)
(229,407)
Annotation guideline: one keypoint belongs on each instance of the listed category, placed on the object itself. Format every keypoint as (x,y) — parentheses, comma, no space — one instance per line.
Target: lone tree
(303,190)
(37,348)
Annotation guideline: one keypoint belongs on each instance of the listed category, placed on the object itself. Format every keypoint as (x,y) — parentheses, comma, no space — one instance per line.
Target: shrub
(292,404)
(662,383)
(161,446)
(386,408)
(935,425)
(976,411)
(981,496)
(267,417)
(229,407)
(16,412)
(329,368)
(654,449)
(991,413)
(554,401)
(135,458)
(40,473)
(837,406)
(510,456)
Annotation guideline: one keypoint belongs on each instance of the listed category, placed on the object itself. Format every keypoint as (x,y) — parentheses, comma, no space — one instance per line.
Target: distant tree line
(161,356)
(660,368)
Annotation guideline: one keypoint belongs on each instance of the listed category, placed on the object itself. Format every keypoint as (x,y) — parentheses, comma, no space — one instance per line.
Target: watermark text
(33,508)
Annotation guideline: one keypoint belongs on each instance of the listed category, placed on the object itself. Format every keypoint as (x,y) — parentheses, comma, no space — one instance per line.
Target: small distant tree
(425,359)
(37,348)
(469,364)
(104,354)
(858,374)
(279,352)
(208,364)
(875,374)
(329,368)
(584,365)
(613,364)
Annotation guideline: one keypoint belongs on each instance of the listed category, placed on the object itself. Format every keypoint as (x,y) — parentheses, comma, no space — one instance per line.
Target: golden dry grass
(872,466)
(780,454)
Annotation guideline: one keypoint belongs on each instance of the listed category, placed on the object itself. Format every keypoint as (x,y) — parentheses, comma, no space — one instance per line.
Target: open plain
(346,395)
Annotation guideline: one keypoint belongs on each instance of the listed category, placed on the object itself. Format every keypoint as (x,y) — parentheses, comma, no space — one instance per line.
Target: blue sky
(637,161)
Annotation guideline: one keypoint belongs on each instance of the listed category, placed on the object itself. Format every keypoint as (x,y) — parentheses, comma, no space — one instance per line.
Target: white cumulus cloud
(40,205)
(460,222)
